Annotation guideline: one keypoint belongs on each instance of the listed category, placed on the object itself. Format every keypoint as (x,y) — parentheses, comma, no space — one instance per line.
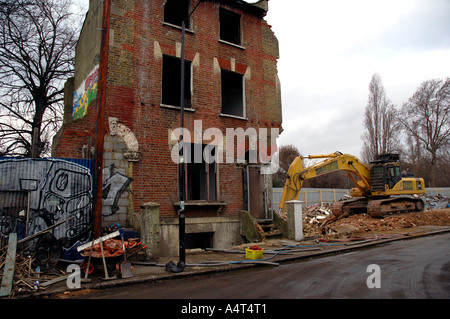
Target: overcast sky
(329,51)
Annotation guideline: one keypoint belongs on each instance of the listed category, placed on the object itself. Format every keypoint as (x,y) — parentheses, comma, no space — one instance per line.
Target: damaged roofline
(259,8)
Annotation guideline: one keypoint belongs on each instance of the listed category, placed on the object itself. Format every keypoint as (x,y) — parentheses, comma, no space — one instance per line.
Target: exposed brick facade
(139,40)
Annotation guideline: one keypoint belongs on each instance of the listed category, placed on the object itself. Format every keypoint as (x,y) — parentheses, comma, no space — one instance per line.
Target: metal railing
(311,196)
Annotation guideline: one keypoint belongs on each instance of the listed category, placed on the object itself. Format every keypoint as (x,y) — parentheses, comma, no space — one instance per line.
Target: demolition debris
(26,275)
(318,220)
(23,272)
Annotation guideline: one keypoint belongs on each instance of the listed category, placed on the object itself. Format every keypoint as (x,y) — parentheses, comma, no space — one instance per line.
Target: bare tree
(426,120)
(337,179)
(37,48)
(379,122)
(286,154)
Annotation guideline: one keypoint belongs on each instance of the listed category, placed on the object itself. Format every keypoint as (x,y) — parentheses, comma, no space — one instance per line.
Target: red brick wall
(69,141)
(134,94)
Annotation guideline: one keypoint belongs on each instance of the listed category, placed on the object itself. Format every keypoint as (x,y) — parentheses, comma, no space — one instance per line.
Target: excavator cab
(386,177)
(385,172)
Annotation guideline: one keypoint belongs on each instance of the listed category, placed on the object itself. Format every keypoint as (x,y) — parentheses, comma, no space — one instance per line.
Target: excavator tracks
(349,207)
(377,208)
(395,205)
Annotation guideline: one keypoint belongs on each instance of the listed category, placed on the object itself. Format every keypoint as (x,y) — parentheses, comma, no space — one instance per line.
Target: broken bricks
(313,218)
(318,220)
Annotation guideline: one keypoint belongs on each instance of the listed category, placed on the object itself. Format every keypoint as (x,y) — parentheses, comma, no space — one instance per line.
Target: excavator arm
(357,171)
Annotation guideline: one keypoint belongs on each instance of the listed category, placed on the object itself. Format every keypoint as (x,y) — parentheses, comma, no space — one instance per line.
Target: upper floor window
(230,26)
(171,81)
(232,93)
(175,11)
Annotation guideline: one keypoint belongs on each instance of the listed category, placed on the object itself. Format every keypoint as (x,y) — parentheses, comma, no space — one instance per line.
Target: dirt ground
(363,223)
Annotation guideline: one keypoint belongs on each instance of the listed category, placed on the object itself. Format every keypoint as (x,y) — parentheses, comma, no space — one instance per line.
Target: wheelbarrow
(108,251)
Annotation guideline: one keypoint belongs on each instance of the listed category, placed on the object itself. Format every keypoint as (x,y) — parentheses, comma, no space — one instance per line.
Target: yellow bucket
(254,254)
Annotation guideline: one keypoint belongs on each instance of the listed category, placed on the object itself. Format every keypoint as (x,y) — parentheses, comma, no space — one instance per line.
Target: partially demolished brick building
(231,82)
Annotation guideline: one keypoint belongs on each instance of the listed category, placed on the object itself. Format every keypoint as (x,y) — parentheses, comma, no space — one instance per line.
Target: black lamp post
(181,174)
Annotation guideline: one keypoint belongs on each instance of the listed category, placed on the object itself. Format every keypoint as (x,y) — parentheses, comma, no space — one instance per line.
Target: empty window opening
(175,11)
(199,240)
(230,26)
(232,93)
(171,81)
(200,172)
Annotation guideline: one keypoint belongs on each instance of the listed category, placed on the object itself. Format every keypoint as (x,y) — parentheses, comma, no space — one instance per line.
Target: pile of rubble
(27,274)
(362,223)
(318,220)
(314,217)
(436,202)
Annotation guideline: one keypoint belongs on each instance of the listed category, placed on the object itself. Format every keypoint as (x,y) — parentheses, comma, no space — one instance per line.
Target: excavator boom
(297,173)
(360,174)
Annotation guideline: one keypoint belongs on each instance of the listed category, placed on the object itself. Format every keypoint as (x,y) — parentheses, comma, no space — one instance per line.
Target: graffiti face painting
(52,191)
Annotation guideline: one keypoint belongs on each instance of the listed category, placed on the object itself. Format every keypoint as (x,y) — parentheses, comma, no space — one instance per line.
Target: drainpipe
(100,123)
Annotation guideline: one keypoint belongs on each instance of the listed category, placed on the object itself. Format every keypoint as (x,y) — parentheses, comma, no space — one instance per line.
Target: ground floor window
(200,172)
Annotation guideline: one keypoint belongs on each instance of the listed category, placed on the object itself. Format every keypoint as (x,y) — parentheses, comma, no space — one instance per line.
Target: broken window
(200,172)
(230,26)
(232,93)
(175,11)
(171,81)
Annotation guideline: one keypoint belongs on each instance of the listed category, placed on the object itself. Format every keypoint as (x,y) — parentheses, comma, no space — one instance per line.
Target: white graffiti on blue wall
(46,192)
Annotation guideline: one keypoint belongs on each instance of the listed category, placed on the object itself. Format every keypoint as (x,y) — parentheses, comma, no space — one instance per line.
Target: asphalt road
(404,269)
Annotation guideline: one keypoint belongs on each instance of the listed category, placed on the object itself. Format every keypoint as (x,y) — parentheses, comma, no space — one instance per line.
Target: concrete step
(269,228)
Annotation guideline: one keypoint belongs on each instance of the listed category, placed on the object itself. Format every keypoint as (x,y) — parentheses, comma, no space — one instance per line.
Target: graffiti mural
(85,93)
(114,184)
(46,192)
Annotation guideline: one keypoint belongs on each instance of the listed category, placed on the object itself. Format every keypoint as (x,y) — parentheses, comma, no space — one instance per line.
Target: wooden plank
(106,237)
(231,251)
(8,271)
(23,240)
(44,231)
(53,281)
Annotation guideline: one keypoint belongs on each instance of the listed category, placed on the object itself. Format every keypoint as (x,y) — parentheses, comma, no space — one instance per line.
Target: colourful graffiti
(85,94)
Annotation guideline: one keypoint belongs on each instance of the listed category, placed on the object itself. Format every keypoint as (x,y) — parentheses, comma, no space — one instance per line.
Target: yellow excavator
(380,188)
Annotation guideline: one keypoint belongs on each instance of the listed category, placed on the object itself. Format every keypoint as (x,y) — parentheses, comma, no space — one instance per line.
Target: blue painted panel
(50,190)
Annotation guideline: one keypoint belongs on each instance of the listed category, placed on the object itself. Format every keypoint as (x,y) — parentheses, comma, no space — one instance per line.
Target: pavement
(201,262)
